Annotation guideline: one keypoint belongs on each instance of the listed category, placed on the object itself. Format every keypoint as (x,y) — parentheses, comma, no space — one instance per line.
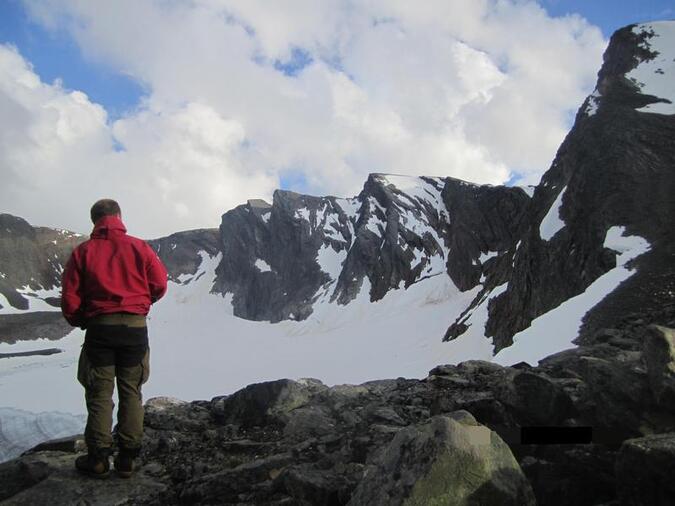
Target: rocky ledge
(451,438)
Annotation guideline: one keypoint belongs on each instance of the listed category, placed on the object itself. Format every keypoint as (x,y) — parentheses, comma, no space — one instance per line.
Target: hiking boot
(124,462)
(95,463)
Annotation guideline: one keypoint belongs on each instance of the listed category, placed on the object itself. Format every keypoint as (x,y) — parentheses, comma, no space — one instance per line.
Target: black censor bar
(556,435)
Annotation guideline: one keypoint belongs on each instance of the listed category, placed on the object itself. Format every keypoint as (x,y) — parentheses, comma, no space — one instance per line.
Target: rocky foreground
(451,438)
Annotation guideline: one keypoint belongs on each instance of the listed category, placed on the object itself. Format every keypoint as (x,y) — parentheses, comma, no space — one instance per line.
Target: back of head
(104,207)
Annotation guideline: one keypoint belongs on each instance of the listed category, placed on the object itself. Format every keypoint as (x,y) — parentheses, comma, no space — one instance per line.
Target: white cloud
(176,169)
(469,89)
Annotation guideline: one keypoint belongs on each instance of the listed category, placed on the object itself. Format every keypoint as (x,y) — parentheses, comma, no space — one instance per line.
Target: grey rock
(211,488)
(310,486)
(34,325)
(312,421)
(182,252)
(541,399)
(70,444)
(644,471)
(269,402)
(659,356)
(449,460)
(50,478)
(32,257)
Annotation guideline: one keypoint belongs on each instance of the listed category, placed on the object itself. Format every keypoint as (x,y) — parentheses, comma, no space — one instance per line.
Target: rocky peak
(613,170)
(278,261)
(31,262)
(183,252)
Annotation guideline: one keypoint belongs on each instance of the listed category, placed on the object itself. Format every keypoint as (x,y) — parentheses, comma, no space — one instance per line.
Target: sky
(182,110)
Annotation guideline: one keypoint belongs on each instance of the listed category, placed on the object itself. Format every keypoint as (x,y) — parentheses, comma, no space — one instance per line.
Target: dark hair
(104,207)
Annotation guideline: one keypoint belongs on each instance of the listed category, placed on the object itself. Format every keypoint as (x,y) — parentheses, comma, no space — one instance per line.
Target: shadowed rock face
(484,219)
(279,260)
(180,252)
(269,257)
(35,325)
(644,470)
(31,259)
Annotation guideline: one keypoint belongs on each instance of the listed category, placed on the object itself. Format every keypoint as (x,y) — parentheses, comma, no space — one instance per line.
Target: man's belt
(127,319)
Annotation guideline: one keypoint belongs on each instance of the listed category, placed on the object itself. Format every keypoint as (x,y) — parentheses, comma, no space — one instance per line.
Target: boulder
(449,460)
(644,471)
(267,402)
(539,400)
(658,353)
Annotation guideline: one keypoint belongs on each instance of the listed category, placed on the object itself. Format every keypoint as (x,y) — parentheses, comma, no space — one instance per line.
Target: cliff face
(280,259)
(614,169)
(180,252)
(31,261)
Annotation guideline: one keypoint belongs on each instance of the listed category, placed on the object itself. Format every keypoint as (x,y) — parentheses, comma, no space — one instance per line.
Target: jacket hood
(108,225)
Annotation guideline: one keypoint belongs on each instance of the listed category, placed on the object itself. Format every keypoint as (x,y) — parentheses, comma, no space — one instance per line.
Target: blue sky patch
(55,55)
(293,180)
(298,61)
(610,16)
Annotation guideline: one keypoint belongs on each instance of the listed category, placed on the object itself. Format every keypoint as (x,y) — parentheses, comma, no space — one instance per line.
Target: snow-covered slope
(199,349)
(557,329)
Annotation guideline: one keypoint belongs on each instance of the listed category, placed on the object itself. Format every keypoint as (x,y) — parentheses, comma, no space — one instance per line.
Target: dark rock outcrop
(180,252)
(34,325)
(388,441)
(659,357)
(270,254)
(615,168)
(280,259)
(31,259)
(644,471)
(484,219)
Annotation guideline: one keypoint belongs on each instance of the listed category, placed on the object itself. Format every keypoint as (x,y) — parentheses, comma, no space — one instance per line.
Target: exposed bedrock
(391,441)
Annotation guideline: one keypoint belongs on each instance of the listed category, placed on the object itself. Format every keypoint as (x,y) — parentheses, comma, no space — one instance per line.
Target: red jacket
(111,273)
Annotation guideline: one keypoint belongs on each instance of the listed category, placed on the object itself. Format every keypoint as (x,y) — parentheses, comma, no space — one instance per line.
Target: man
(108,286)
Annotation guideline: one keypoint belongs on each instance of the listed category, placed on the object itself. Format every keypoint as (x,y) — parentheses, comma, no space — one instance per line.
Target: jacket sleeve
(71,292)
(157,277)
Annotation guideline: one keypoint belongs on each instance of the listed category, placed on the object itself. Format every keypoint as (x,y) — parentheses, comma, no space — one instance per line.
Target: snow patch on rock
(554,331)
(262,265)
(552,223)
(657,76)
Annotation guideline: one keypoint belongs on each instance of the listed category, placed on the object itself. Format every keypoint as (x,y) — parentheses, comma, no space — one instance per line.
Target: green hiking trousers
(99,365)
